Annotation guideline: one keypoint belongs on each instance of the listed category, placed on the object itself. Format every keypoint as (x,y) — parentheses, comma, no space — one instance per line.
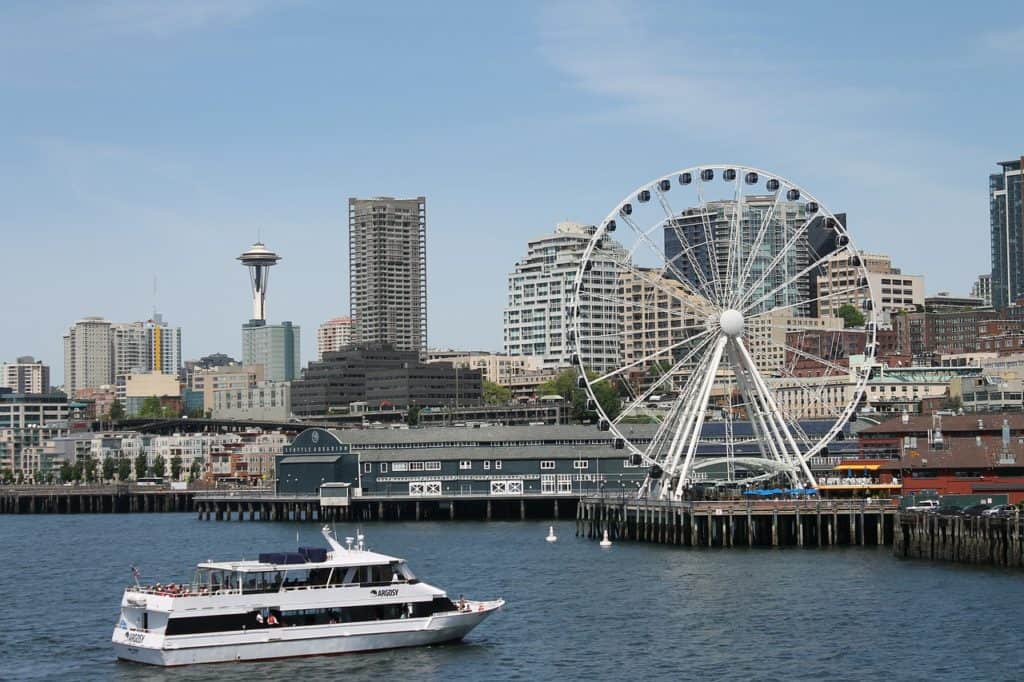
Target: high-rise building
(88,357)
(891,290)
(333,335)
(540,290)
(25,375)
(983,289)
(1006,216)
(163,346)
(387,258)
(275,346)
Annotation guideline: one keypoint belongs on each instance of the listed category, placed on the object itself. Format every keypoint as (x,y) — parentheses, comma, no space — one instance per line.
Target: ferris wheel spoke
(784,252)
(755,249)
(832,296)
(640,305)
(685,247)
(668,374)
(647,358)
(657,250)
(806,271)
(712,242)
(734,255)
(689,297)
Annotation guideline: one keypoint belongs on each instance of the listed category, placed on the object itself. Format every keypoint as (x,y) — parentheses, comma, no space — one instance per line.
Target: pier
(980,540)
(739,523)
(101,499)
(270,506)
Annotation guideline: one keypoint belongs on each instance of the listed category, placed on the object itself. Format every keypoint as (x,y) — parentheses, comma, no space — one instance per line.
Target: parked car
(924,506)
(949,510)
(1001,511)
(977,509)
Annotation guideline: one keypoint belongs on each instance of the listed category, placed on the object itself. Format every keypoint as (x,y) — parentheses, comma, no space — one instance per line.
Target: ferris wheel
(744,322)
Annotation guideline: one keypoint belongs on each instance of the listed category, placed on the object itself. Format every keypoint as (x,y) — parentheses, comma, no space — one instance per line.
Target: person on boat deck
(259,618)
(272,620)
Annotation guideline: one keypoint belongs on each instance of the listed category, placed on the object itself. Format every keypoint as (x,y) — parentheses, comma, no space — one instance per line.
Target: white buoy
(551,534)
(605,542)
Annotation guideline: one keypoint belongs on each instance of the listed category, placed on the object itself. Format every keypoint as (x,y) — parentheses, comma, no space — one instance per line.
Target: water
(574,611)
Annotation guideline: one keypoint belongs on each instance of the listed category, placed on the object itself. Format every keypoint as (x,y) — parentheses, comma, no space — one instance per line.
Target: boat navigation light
(348,542)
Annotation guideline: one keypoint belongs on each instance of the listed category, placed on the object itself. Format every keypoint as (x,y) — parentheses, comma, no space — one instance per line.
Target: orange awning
(857,467)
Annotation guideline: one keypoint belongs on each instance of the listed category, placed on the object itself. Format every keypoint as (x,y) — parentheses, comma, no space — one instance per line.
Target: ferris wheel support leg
(776,416)
(771,434)
(702,408)
(765,443)
(690,402)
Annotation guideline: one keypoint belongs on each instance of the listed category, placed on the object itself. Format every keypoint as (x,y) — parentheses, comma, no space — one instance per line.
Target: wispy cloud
(1008,41)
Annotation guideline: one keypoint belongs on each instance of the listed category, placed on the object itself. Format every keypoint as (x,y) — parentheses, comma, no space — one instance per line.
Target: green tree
(5,475)
(565,385)
(151,408)
(159,466)
(176,467)
(109,467)
(124,469)
(89,470)
(852,317)
(195,471)
(67,472)
(76,471)
(412,417)
(140,465)
(116,411)
(496,394)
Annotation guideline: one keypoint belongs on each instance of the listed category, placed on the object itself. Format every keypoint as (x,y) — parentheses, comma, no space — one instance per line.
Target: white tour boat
(307,603)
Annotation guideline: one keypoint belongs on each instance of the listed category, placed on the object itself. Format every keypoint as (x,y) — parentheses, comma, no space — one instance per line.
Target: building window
(465,464)
(383,467)
(580,464)
(415,466)
(399,466)
(367,467)
(432,466)
(497,464)
(547,464)
(487,464)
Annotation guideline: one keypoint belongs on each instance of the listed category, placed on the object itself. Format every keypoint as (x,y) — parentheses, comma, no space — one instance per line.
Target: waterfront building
(275,347)
(891,290)
(334,335)
(499,462)
(971,454)
(387,258)
(540,290)
(98,401)
(381,376)
(206,362)
(1006,222)
(263,400)
(88,360)
(982,289)
(27,421)
(25,375)
(495,367)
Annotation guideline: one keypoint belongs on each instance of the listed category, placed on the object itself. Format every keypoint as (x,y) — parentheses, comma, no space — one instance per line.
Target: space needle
(259,259)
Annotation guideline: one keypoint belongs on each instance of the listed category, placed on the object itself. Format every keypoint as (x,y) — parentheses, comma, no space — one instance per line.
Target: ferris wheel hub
(731,323)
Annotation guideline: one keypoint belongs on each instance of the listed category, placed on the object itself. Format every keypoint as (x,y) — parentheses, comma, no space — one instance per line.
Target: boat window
(401,569)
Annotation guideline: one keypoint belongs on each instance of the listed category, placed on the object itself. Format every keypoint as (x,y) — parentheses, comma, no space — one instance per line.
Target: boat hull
(288,642)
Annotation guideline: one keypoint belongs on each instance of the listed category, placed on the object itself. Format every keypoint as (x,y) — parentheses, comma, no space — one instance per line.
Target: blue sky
(147,139)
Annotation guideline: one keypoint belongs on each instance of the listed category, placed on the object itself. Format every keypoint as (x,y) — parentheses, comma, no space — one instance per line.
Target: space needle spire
(258,259)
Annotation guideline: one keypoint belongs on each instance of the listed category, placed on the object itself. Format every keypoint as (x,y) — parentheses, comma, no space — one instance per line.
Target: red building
(954,455)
